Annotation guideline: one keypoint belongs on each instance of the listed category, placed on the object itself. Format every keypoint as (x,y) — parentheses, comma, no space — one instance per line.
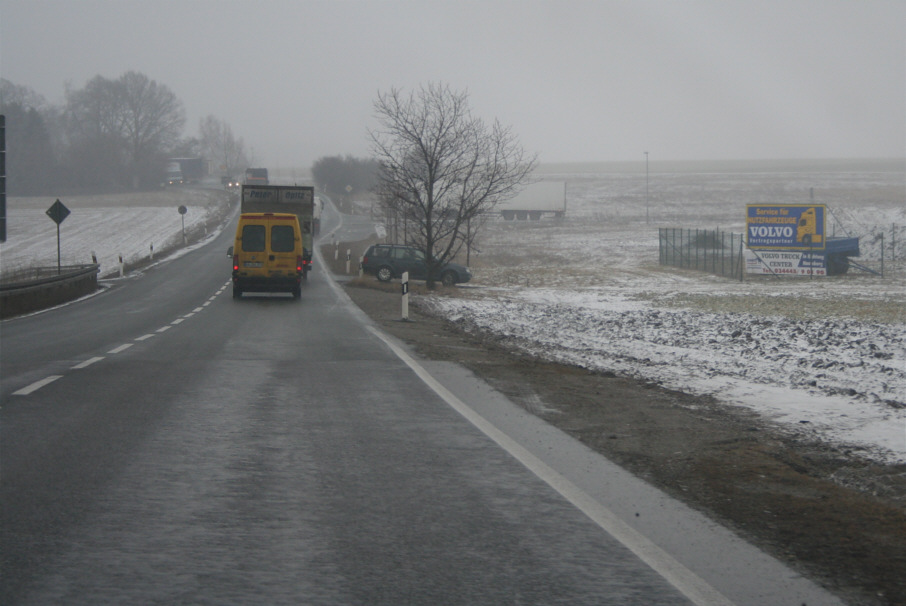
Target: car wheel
(448,278)
(237,292)
(297,292)
(384,274)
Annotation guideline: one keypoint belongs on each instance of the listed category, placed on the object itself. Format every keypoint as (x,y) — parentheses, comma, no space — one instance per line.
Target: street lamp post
(646,188)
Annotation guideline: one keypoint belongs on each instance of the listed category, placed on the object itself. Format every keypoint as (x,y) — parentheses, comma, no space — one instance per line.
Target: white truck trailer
(535,201)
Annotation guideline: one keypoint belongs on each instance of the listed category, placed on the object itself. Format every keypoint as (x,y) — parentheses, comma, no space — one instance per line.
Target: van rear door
(283,246)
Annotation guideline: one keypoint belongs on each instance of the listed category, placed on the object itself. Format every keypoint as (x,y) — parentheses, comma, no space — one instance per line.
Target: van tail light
(235,262)
(299,263)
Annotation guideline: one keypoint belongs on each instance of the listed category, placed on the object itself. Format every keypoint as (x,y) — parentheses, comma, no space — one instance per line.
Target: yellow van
(267,254)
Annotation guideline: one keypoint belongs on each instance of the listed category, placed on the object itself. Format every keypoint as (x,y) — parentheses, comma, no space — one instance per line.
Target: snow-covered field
(107,226)
(825,357)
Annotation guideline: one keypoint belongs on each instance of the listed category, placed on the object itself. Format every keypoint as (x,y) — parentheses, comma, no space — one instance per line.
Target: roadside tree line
(111,135)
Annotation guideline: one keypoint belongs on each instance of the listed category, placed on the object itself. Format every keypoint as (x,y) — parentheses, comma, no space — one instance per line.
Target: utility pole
(646,188)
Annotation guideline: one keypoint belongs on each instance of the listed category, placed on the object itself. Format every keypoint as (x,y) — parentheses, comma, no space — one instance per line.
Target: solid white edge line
(121,348)
(37,385)
(87,363)
(687,582)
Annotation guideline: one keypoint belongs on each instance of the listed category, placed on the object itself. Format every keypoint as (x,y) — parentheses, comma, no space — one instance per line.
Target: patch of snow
(589,292)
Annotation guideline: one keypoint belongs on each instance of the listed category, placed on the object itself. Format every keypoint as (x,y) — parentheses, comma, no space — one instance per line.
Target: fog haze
(577,81)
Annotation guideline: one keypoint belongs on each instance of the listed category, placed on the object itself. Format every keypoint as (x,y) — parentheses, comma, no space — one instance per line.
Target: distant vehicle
(267,254)
(256,176)
(536,200)
(388,261)
(174,174)
(316,217)
(230,183)
(296,199)
(184,170)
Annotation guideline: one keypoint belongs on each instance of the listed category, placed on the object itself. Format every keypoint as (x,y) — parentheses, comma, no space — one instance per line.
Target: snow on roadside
(107,226)
(844,380)
(825,357)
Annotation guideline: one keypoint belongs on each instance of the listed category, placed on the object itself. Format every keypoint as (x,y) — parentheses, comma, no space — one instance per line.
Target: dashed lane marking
(48,380)
(37,385)
(88,362)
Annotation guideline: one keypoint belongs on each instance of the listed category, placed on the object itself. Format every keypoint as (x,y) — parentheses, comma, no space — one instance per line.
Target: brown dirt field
(836,519)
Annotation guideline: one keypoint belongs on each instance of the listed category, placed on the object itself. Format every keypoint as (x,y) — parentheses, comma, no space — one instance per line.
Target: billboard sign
(785,263)
(785,227)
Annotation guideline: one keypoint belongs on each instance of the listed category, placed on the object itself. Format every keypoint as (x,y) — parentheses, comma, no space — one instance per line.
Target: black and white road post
(405,289)
(348,257)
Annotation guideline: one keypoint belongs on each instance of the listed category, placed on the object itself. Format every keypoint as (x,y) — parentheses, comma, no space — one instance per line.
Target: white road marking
(197,309)
(178,321)
(687,582)
(37,385)
(121,348)
(189,315)
(88,362)
(164,329)
(144,337)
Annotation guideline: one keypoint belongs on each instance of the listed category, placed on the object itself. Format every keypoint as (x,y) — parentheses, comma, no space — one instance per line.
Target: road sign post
(182,211)
(58,213)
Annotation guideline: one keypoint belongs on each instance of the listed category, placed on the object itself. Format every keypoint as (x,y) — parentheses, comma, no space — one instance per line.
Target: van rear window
(253,238)
(283,238)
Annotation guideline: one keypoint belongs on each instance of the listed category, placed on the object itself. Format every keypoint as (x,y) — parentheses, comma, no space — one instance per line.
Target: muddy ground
(837,519)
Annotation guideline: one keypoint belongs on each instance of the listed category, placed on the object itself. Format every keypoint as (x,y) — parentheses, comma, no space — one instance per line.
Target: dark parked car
(388,261)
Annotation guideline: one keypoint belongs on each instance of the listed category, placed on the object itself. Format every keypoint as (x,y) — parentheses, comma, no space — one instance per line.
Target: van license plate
(248,264)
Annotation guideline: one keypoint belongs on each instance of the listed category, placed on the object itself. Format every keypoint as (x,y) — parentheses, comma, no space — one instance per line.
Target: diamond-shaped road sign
(58,212)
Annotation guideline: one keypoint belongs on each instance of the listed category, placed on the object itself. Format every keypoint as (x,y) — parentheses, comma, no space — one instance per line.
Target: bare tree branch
(440,167)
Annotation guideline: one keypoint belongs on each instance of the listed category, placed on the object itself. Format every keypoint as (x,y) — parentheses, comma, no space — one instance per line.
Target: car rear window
(253,238)
(283,238)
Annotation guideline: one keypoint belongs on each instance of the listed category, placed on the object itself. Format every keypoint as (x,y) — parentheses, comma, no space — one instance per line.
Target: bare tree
(152,120)
(440,168)
(221,146)
(124,125)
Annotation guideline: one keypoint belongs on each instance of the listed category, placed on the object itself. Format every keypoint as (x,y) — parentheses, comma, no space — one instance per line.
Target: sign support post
(58,213)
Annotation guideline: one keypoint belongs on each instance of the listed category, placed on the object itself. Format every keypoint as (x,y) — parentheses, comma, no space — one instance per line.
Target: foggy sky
(578,81)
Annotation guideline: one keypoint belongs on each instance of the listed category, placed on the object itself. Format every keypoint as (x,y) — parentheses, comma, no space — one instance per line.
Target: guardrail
(44,287)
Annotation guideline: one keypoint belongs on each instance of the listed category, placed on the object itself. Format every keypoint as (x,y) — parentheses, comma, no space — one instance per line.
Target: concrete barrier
(46,287)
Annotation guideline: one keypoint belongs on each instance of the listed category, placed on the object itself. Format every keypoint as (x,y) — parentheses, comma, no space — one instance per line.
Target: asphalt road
(163,443)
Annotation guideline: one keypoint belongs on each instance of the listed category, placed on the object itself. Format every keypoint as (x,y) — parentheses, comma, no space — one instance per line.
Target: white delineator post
(405,289)
(122,266)
(348,257)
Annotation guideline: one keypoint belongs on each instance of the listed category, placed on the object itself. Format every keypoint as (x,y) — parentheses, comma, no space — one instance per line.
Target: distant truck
(256,176)
(296,199)
(535,201)
(184,170)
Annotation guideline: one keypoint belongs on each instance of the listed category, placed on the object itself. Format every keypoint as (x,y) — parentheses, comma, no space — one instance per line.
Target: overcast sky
(578,81)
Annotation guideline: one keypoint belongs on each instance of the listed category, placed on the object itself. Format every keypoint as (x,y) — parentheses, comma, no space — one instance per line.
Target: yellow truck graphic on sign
(807,229)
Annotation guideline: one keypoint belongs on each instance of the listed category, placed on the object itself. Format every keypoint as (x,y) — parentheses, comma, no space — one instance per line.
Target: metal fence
(711,250)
